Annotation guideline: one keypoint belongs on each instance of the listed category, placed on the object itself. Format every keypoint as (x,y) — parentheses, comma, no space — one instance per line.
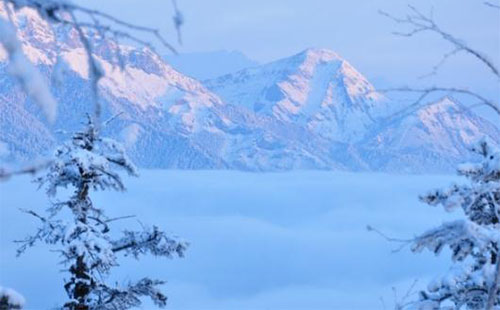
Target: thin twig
(425,92)
(422,23)
(404,242)
(32,169)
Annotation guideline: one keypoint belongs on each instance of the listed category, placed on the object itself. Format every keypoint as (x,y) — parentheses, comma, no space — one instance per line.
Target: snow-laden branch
(55,11)
(149,241)
(461,236)
(90,155)
(474,242)
(91,25)
(113,298)
(10,299)
(25,72)
(473,282)
(94,22)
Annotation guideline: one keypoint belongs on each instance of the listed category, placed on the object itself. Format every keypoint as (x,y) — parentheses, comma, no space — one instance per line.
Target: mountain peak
(309,59)
(309,110)
(315,88)
(320,55)
(444,105)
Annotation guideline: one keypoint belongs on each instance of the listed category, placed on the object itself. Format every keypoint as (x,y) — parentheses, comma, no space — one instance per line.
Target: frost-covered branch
(403,242)
(462,237)
(10,299)
(25,72)
(129,296)
(49,232)
(5,174)
(473,281)
(91,26)
(150,240)
(55,11)
(428,91)
(418,23)
(94,22)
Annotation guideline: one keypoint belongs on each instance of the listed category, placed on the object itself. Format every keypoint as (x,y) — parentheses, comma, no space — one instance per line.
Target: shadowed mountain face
(316,89)
(312,110)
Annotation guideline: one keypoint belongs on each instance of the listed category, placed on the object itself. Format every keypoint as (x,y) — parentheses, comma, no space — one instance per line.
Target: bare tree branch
(178,21)
(425,92)
(492,5)
(32,169)
(403,242)
(422,23)
(105,25)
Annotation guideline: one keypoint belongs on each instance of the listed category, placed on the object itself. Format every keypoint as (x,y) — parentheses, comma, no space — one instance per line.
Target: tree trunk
(79,286)
(492,294)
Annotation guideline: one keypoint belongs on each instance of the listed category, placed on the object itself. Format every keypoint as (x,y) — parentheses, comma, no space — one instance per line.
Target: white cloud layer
(258,241)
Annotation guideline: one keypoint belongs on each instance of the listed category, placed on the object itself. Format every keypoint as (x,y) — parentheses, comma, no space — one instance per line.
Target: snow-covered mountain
(434,137)
(309,111)
(316,89)
(322,92)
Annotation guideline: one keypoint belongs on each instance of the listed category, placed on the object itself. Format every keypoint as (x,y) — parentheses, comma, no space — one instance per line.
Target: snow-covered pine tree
(473,281)
(88,163)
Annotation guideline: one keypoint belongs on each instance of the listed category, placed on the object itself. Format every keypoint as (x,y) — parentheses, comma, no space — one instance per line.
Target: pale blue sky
(266,30)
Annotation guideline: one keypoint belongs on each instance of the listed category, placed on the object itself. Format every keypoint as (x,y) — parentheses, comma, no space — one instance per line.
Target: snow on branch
(480,199)
(89,155)
(56,11)
(49,232)
(473,281)
(462,237)
(10,299)
(150,240)
(94,22)
(129,297)
(92,25)
(25,72)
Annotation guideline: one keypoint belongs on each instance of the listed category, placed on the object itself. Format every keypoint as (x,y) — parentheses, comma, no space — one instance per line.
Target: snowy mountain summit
(316,89)
(312,110)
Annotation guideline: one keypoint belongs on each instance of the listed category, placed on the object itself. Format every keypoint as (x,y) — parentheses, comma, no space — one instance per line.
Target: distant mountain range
(312,110)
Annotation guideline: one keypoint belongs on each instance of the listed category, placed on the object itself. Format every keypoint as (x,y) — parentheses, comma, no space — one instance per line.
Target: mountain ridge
(312,110)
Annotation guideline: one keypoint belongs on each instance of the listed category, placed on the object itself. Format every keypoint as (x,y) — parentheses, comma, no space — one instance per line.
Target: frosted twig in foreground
(96,24)
(419,22)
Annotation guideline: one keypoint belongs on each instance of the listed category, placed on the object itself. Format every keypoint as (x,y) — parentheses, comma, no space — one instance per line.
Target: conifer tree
(474,241)
(86,164)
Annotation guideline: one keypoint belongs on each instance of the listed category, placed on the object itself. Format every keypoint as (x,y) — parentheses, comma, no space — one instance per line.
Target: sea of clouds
(294,240)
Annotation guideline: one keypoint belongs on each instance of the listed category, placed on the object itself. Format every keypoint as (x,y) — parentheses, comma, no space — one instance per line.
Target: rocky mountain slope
(316,89)
(312,110)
